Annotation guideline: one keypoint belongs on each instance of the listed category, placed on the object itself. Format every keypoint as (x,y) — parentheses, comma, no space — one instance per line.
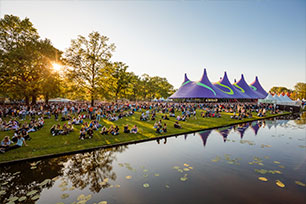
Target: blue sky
(264,38)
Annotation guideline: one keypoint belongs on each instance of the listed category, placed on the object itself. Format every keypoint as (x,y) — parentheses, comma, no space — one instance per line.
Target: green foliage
(25,60)
(88,60)
(280,89)
(300,89)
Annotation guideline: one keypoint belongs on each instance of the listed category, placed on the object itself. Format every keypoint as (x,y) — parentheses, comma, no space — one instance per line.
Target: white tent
(60,100)
(268,99)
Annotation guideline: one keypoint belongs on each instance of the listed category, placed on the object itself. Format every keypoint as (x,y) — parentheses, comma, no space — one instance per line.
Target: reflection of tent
(243,87)
(224,132)
(226,87)
(60,100)
(204,135)
(255,127)
(255,85)
(242,128)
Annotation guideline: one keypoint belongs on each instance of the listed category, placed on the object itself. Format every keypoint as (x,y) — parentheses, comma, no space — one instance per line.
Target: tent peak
(186,78)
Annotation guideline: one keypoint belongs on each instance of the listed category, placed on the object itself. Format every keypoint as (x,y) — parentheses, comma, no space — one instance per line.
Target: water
(215,166)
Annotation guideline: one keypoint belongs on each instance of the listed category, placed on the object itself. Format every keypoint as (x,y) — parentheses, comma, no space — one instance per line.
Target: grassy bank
(43,143)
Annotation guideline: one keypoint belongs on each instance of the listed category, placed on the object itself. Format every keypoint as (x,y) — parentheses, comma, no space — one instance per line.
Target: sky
(264,38)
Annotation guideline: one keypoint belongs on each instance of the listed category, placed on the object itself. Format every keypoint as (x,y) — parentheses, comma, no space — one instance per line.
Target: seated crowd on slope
(78,113)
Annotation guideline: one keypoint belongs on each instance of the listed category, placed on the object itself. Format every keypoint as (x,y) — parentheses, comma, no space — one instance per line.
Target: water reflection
(91,169)
(95,172)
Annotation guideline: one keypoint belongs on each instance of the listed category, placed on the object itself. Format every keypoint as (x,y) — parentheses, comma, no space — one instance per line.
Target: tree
(119,79)
(25,60)
(300,89)
(87,58)
(279,90)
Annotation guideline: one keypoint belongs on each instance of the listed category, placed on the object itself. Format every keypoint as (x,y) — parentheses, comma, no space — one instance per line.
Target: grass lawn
(43,143)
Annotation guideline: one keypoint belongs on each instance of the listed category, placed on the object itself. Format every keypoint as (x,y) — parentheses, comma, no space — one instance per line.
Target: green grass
(43,143)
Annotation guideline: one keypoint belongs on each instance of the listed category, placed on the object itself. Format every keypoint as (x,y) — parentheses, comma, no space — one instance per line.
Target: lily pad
(280,184)
(46,181)
(156,174)
(13,199)
(128,177)
(65,195)
(22,198)
(262,179)
(146,185)
(183,178)
(300,183)
(32,192)
(176,167)
(180,170)
(35,197)
(81,197)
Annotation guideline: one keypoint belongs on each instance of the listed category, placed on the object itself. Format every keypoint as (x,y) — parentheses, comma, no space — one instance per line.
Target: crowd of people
(15,117)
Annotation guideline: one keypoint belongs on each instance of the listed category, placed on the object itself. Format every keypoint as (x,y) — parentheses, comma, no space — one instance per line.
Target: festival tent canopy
(255,85)
(243,87)
(60,100)
(226,87)
(201,89)
(268,99)
(183,91)
(222,89)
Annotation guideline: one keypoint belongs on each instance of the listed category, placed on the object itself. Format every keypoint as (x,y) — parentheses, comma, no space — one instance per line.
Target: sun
(56,67)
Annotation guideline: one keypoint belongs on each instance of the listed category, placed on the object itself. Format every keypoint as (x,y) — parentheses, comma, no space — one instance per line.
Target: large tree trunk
(33,99)
(27,100)
(47,98)
(92,100)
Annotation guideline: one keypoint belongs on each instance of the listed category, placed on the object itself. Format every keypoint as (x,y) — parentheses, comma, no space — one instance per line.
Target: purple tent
(204,135)
(183,91)
(226,87)
(201,89)
(205,89)
(243,87)
(255,85)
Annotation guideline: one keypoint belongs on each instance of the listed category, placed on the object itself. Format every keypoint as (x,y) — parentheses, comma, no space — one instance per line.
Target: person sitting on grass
(155,125)
(165,127)
(104,131)
(159,129)
(5,144)
(126,129)
(111,129)
(82,134)
(90,133)
(25,135)
(115,131)
(165,117)
(20,142)
(177,125)
(57,130)
(134,129)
